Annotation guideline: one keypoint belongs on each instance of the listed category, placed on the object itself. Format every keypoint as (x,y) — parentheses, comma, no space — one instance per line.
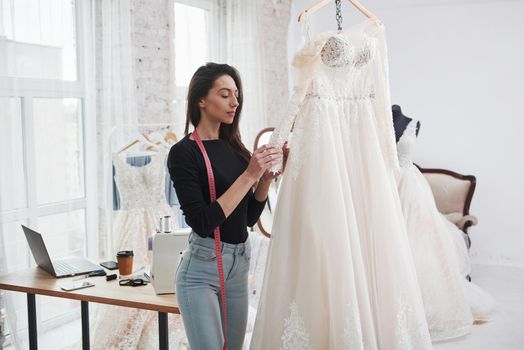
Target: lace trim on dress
(353,331)
(405,143)
(406,327)
(295,335)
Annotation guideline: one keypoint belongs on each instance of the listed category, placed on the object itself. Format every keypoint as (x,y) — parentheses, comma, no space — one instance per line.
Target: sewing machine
(167,251)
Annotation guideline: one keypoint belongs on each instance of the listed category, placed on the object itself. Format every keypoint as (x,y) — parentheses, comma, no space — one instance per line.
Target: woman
(214,104)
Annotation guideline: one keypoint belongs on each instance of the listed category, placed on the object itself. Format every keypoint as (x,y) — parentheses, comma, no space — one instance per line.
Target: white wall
(458,66)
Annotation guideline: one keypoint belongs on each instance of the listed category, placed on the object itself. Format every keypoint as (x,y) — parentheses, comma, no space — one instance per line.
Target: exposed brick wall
(152,67)
(273,21)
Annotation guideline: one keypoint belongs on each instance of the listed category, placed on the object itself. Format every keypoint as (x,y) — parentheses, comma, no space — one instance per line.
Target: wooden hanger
(323,3)
(162,140)
(141,139)
(170,136)
(128,146)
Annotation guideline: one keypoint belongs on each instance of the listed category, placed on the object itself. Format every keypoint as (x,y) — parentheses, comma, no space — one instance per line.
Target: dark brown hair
(201,82)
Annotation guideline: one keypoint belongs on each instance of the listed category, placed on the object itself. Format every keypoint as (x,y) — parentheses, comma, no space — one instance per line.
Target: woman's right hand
(262,159)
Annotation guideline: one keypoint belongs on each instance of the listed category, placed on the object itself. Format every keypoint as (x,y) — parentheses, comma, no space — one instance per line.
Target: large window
(47,135)
(194,34)
(42,36)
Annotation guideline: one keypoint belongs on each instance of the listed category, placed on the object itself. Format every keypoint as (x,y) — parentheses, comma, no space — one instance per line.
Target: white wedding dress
(340,273)
(143,202)
(439,251)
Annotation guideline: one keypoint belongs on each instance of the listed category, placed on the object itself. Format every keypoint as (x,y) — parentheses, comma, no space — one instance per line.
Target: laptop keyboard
(73,267)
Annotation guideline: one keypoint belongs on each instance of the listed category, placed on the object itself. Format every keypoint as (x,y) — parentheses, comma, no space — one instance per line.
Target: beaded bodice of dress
(141,187)
(338,75)
(345,72)
(406,143)
(343,77)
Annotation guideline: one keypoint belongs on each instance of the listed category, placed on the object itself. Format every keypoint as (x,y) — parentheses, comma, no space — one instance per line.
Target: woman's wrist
(263,183)
(262,189)
(248,177)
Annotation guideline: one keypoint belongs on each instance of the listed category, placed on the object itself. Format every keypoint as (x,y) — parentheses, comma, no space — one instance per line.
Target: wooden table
(37,281)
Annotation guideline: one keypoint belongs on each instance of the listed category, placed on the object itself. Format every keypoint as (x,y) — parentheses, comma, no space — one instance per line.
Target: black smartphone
(97,273)
(110,265)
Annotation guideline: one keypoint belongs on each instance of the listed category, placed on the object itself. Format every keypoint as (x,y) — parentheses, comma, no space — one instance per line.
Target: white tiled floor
(68,336)
(505,331)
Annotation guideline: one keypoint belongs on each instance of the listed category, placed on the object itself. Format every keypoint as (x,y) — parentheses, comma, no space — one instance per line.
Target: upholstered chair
(453,193)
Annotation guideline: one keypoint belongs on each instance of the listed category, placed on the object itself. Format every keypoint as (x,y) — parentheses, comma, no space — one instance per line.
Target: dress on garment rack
(142,203)
(439,253)
(340,273)
(170,190)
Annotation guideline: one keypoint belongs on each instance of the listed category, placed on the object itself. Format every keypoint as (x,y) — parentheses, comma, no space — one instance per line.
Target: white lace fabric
(141,186)
(339,269)
(450,301)
(349,67)
(405,144)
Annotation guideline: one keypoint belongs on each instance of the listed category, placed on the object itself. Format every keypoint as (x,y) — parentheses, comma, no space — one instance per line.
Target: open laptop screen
(37,246)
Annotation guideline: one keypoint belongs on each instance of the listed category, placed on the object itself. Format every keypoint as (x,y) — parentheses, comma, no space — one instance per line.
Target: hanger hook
(338,6)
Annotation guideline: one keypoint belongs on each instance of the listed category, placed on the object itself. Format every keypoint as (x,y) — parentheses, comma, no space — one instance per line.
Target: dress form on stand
(400,122)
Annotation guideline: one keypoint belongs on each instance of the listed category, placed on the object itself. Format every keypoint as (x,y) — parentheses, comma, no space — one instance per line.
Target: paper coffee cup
(125,262)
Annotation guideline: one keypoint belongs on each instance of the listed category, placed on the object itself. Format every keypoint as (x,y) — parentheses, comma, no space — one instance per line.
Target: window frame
(179,93)
(27,89)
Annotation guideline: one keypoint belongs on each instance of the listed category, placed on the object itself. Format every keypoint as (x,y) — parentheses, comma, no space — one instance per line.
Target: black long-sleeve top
(188,171)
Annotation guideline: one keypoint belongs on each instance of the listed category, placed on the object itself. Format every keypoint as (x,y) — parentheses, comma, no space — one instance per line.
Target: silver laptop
(59,268)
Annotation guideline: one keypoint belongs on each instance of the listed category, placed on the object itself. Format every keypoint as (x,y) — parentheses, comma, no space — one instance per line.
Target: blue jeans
(198,293)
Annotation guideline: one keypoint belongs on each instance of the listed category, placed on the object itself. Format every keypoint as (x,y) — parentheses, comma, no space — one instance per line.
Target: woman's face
(221,102)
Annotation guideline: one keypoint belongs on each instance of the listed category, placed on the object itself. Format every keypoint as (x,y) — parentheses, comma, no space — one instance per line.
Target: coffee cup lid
(125,253)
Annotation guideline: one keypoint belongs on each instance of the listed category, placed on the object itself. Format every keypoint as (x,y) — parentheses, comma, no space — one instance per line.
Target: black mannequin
(400,121)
